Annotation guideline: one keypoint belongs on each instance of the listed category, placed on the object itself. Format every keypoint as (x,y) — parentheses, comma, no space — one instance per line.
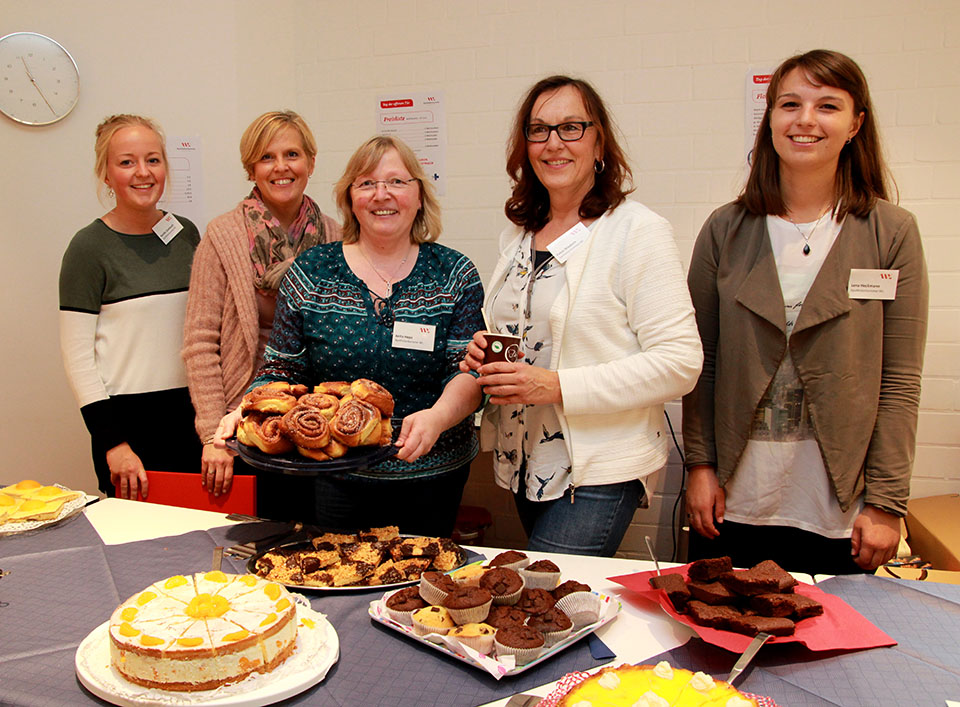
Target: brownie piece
(752,625)
(505,617)
(709,569)
(549,621)
(370,552)
(542,566)
(535,601)
(713,616)
(674,586)
(713,593)
(501,581)
(382,534)
(448,557)
(787,582)
(569,587)
(794,606)
(414,547)
(406,600)
(506,558)
(751,582)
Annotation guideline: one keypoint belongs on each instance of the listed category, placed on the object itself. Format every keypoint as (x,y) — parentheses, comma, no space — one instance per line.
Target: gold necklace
(806,237)
(386,282)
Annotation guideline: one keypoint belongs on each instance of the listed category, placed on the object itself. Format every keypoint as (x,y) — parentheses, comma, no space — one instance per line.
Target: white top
(781,478)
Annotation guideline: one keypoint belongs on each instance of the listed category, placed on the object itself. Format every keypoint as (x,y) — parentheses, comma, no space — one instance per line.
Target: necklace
(388,283)
(807,236)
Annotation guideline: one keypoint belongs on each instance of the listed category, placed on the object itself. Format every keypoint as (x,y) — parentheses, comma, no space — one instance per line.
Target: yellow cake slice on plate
(33,509)
(22,488)
(53,493)
(8,504)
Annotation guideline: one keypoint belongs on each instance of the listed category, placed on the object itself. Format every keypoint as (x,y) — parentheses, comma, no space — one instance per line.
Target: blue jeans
(593,524)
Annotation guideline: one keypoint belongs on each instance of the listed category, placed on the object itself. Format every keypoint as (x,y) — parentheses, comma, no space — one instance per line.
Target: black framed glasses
(394,184)
(568,132)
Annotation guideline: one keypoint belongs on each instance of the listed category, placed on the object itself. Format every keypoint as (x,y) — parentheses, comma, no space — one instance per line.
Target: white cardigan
(624,342)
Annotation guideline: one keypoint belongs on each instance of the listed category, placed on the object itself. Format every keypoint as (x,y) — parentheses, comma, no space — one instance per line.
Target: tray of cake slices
(378,559)
(502,617)
(29,505)
(336,426)
(208,638)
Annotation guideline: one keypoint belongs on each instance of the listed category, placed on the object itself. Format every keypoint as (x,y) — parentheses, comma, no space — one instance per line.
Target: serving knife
(744,660)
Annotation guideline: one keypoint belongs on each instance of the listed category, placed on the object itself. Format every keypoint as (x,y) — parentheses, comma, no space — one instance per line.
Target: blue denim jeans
(594,522)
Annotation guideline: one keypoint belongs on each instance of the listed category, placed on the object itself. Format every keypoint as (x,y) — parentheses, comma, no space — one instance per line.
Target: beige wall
(672,70)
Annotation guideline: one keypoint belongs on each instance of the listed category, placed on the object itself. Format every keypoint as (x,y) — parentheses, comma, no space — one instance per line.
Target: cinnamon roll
(338,388)
(326,404)
(264,434)
(335,449)
(306,427)
(357,423)
(274,398)
(316,454)
(373,393)
(386,432)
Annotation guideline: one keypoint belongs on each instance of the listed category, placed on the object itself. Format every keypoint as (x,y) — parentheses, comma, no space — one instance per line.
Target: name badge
(873,284)
(563,246)
(410,335)
(167,228)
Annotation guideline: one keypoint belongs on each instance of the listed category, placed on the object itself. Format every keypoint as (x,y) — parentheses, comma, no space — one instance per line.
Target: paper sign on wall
(419,120)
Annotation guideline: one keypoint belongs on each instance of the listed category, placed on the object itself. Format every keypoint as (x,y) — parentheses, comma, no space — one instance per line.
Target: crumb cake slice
(202,631)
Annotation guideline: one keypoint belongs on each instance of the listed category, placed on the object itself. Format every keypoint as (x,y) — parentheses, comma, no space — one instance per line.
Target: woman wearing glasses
(593,285)
(391,305)
(233,287)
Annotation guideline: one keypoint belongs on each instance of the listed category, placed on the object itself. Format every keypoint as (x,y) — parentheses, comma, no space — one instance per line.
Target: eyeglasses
(568,132)
(394,184)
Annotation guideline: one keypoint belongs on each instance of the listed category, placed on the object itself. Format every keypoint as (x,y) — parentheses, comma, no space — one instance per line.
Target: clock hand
(34,82)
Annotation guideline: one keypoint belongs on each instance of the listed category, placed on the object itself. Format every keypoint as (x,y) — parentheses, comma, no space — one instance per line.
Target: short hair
(109,127)
(529,204)
(264,128)
(862,174)
(427,224)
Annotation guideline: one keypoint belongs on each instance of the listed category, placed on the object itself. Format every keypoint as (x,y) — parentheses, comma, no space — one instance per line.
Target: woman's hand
(418,434)
(216,469)
(705,500)
(519,383)
(876,535)
(475,351)
(227,429)
(127,469)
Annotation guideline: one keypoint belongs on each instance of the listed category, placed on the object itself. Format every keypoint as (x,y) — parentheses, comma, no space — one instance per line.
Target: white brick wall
(672,72)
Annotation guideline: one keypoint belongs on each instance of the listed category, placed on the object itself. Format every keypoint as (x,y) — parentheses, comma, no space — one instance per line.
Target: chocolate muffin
(569,587)
(542,566)
(511,558)
(407,599)
(522,642)
(504,584)
(535,601)
(434,586)
(468,605)
(550,620)
(505,617)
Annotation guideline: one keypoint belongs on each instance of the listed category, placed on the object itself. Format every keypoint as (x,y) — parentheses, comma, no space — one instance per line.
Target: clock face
(39,82)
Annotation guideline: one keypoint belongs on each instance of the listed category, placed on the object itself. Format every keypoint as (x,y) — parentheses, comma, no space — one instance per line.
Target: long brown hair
(529,204)
(862,175)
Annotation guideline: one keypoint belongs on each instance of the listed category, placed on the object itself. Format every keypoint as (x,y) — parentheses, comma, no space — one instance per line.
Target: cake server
(653,555)
(744,660)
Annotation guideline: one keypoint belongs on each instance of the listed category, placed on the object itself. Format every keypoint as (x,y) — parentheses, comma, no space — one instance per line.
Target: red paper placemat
(840,627)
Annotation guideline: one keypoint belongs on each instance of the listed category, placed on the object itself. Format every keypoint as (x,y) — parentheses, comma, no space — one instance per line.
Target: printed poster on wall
(755,102)
(184,192)
(419,120)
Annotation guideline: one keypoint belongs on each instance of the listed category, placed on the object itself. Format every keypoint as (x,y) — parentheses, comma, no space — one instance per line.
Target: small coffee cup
(501,347)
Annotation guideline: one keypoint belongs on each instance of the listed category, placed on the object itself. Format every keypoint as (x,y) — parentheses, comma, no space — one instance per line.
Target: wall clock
(39,81)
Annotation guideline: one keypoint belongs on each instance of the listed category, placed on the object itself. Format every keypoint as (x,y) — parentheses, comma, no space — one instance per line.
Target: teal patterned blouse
(328,327)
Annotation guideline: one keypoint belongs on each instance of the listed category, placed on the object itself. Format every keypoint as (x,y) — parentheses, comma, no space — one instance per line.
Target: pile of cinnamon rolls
(324,424)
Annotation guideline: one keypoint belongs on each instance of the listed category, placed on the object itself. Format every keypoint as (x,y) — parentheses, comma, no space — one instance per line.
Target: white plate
(609,608)
(68,510)
(316,651)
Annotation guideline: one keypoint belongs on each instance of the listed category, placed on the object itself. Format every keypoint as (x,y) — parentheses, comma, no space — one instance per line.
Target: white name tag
(410,335)
(873,284)
(563,246)
(167,228)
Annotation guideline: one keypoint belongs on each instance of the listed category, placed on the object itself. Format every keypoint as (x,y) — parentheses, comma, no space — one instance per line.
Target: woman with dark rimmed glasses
(594,286)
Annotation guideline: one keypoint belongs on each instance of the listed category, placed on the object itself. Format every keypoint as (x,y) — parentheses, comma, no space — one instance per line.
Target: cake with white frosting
(201,631)
(653,686)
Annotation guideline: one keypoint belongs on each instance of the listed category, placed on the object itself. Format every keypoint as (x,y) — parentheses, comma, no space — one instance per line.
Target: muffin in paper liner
(540,580)
(582,607)
(431,593)
(515,566)
(507,599)
(522,656)
(551,638)
(482,643)
(401,617)
(472,615)
(422,629)
(468,576)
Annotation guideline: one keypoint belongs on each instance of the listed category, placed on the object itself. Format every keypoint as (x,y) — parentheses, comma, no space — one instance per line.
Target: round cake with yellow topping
(202,631)
(653,686)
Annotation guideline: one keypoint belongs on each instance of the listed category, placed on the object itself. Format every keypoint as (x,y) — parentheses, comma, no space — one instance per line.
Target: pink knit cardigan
(221,329)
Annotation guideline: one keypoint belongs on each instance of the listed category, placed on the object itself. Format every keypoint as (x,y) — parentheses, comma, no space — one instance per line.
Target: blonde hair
(426,225)
(105,132)
(263,129)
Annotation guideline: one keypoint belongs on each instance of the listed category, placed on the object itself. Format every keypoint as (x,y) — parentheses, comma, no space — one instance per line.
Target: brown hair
(862,175)
(426,225)
(529,204)
(107,129)
(264,128)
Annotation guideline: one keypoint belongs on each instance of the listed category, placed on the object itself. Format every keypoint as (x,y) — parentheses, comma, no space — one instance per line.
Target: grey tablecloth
(64,582)
(923,669)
